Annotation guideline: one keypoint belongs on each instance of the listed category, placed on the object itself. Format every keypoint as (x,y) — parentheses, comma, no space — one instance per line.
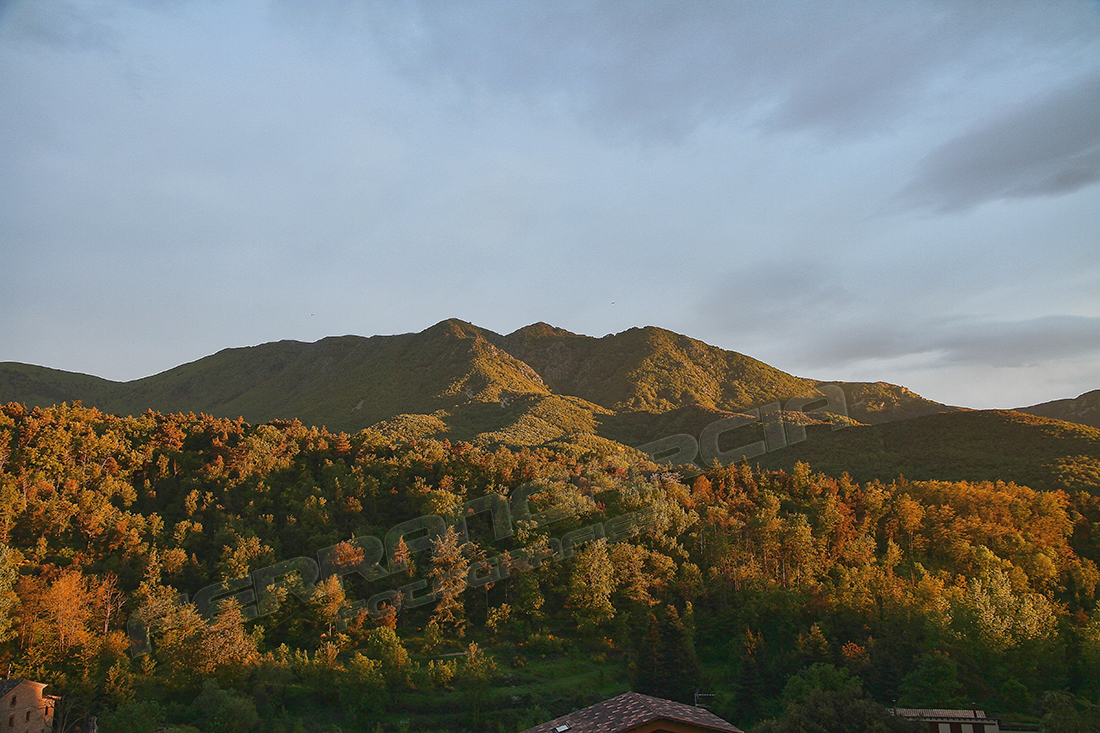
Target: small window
(11,721)
(28,715)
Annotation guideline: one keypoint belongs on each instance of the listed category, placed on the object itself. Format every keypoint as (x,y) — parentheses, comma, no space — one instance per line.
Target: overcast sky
(882,191)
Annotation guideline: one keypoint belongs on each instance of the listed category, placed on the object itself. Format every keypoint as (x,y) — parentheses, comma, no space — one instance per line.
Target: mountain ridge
(351,382)
(544,386)
(1083,409)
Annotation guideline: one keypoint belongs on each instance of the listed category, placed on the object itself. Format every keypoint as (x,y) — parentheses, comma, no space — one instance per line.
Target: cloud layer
(902,191)
(1047,147)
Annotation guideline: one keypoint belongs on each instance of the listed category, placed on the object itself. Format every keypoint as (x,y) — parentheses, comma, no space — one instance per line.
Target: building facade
(25,708)
(951,721)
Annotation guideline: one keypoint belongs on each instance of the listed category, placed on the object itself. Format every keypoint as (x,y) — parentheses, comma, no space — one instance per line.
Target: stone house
(24,708)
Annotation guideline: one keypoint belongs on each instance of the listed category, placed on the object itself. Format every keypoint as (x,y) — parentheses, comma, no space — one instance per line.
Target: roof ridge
(632,708)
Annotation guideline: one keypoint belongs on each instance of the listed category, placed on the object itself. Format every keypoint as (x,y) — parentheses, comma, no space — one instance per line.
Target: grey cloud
(833,316)
(778,298)
(867,79)
(659,69)
(969,341)
(1018,343)
(74,26)
(1048,147)
(61,25)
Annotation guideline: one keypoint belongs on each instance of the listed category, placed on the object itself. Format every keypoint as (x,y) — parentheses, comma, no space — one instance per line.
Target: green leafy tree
(223,711)
(1066,714)
(591,584)
(10,560)
(819,676)
(837,711)
(363,686)
(146,716)
(475,674)
(384,645)
(182,630)
(934,683)
(1090,656)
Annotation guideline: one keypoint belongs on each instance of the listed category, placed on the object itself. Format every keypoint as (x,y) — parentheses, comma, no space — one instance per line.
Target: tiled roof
(630,710)
(8,685)
(929,713)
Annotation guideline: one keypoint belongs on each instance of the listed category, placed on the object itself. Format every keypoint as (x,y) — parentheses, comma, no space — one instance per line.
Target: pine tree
(449,570)
(666,664)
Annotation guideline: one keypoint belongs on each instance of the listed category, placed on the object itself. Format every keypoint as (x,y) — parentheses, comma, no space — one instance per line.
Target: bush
(134,717)
(544,644)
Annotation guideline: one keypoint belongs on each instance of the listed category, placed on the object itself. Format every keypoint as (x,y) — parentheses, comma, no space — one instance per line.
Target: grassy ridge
(42,386)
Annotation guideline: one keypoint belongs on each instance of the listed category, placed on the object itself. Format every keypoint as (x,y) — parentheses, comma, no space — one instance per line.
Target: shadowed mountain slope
(971,445)
(42,386)
(1084,409)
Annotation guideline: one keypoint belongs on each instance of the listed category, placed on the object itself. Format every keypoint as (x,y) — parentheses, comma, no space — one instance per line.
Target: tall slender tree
(450,566)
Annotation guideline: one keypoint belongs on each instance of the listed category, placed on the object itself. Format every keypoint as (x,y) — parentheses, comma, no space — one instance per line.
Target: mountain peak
(457,328)
(539,330)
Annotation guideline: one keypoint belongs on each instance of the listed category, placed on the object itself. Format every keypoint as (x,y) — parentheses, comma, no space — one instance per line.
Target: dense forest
(203,573)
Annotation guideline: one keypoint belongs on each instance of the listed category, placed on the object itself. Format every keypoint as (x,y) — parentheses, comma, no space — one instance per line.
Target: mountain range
(542,385)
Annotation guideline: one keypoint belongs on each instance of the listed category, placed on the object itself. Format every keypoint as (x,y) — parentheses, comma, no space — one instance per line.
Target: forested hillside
(373,582)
